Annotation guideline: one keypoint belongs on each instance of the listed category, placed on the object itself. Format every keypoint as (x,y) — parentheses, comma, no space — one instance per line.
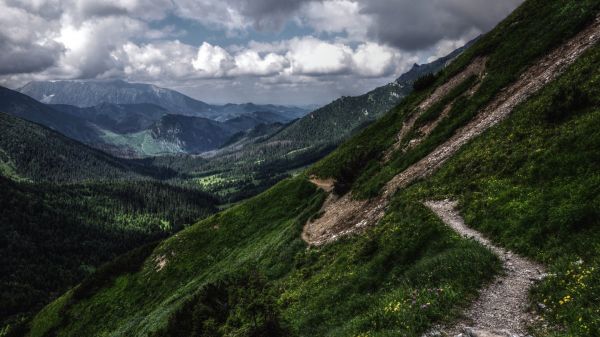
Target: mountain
(142,129)
(348,248)
(191,134)
(20,105)
(95,92)
(119,118)
(304,141)
(56,235)
(67,208)
(284,112)
(179,134)
(344,116)
(33,152)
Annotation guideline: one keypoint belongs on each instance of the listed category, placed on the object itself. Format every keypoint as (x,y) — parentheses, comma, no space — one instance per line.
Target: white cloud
(310,56)
(250,63)
(373,60)
(212,61)
(297,59)
(168,60)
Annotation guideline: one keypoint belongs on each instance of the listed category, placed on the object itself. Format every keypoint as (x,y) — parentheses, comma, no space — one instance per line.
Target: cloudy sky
(279,51)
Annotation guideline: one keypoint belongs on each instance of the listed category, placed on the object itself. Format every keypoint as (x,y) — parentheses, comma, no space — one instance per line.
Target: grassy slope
(55,235)
(394,264)
(533,184)
(383,282)
(41,154)
(358,163)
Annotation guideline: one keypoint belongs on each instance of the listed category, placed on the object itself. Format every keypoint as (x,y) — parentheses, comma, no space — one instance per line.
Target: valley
(459,200)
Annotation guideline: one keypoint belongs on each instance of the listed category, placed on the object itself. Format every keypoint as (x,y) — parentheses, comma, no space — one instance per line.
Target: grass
(357,163)
(395,262)
(532,184)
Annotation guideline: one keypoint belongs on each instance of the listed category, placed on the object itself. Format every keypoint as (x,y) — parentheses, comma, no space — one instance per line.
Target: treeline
(55,235)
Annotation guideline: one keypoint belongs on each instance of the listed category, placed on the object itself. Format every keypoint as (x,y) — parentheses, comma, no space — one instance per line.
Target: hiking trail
(501,309)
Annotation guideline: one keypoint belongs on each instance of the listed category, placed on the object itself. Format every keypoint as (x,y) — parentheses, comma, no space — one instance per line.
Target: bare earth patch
(343,216)
(324,184)
(501,309)
(160,262)
(477,67)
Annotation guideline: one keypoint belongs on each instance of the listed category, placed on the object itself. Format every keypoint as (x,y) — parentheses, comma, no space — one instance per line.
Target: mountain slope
(55,235)
(247,271)
(37,153)
(119,118)
(304,141)
(92,93)
(343,117)
(67,208)
(179,134)
(22,106)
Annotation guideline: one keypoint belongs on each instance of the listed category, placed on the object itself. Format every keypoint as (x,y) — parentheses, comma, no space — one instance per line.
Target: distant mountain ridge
(90,93)
(342,117)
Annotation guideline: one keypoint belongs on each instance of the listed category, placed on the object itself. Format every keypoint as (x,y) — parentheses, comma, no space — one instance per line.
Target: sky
(294,52)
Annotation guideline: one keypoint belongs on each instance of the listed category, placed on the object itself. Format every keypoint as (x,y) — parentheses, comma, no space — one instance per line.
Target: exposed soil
(324,184)
(501,309)
(477,67)
(343,216)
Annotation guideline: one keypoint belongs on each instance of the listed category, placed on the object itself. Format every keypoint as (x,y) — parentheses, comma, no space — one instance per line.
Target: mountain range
(92,93)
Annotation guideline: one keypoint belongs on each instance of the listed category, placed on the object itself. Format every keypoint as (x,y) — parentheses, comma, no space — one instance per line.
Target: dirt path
(501,309)
(345,215)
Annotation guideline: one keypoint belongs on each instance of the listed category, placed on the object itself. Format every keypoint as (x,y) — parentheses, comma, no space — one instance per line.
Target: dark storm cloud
(19,58)
(269,14)
(413,25)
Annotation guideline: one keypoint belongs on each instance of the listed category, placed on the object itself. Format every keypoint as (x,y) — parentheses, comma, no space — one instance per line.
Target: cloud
(251,63)
(25,47)
(212,61)
(332,46)
(167,60)
(413,25)
(310,56)
(298,57)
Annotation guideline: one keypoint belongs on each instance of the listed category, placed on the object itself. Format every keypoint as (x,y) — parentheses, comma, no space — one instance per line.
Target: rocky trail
(345,215)
(501,309)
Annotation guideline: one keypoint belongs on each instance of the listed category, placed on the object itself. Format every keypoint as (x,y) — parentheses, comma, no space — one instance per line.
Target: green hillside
(530,183)
(34,152)
(67,208)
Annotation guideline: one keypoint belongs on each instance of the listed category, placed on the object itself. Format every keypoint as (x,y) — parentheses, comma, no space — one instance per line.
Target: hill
(179,134)
(94,92)
(137,130)
(252,161)
(55,235)
(118,118)
(348,248)
(22,106)
(67,208)
(34,152)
